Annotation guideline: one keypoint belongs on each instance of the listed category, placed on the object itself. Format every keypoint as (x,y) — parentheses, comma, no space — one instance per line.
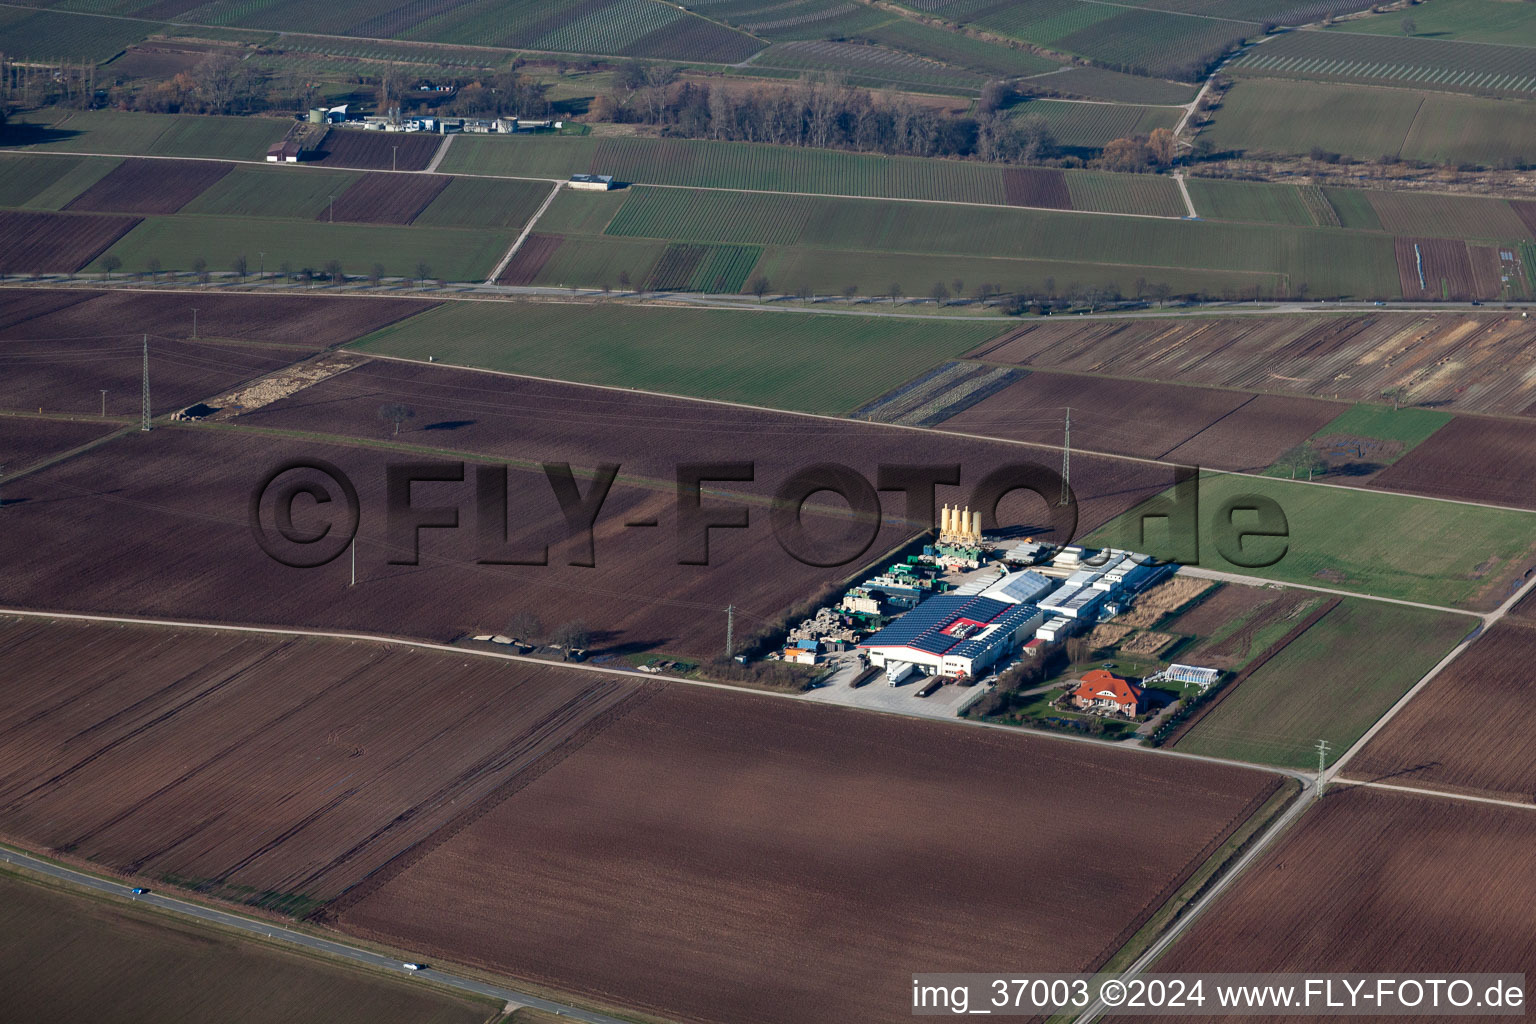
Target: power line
(730,630)
(145,424)
(1322,761)
(1066,461)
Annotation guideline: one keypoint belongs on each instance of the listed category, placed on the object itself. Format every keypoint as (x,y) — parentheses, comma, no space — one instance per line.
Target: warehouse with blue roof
(953,635)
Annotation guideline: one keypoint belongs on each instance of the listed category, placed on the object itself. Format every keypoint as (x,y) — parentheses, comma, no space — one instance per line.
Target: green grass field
(1353,207)
(1101,192)
(452,253)
(1396,61)
(74,955)
(746,165)
(1329,261)
(827,364)
(1331,683)
(1367,122)
(134,134)
(1253,201)
(1092,126)
(484,202)
(592,261)
(265,191)
(62,36)
(1367,542)
(581,213)
(829,271)
(47,183)
(1482,21)
(1412,427)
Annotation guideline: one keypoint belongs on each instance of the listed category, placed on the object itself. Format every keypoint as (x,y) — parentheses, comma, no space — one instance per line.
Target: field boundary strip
(517,243)
(1420,791)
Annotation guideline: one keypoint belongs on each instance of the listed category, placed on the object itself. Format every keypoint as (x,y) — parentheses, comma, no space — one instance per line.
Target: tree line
(822,114)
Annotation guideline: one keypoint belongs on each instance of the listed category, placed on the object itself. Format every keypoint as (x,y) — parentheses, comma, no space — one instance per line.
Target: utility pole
(1322,759)
(394,151)
(730,631)
(261,265)
(194,323)
(333,209)
(103,403)
(145,424)
(1066,461)
(354,562)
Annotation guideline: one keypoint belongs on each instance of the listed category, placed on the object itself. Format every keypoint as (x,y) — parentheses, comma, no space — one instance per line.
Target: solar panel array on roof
(921,628)
(1006,623)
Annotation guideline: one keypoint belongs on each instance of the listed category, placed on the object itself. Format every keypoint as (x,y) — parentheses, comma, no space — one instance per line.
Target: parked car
(140,891)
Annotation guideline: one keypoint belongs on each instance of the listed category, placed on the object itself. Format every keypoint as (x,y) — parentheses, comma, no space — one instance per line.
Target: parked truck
(897,671)
(932,687)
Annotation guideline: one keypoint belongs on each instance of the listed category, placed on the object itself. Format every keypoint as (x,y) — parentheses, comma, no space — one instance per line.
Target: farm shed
(592,182)
(285,152)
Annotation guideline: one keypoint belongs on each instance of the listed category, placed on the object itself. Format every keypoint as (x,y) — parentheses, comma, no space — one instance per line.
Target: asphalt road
(307,941)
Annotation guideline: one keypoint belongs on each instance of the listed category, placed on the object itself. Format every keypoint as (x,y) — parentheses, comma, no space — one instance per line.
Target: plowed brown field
(740,859)
(272,770)
(124,528)
(378,151)
(25,440)
(1120,416)
(1473,458)
(530,259)
(1378,881)
(1444,265)
(386,198)
(1256,433)
(1466,731)
(60,349)
(1478,363)
(1036,187)
(56,243)
(150,186)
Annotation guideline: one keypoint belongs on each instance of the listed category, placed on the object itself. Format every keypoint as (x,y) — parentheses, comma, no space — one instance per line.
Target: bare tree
(939,293)
(376,275)
(396,413)
(525,626)
(1300,459)
(1409,26)
(624,279)
(333,271)
(759,287)
(958,284)
(109,265)
(240,267)
(571,636)
(850,291)
(286,269)
(894,291)
(422,273)
(153,266)
(200,268)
